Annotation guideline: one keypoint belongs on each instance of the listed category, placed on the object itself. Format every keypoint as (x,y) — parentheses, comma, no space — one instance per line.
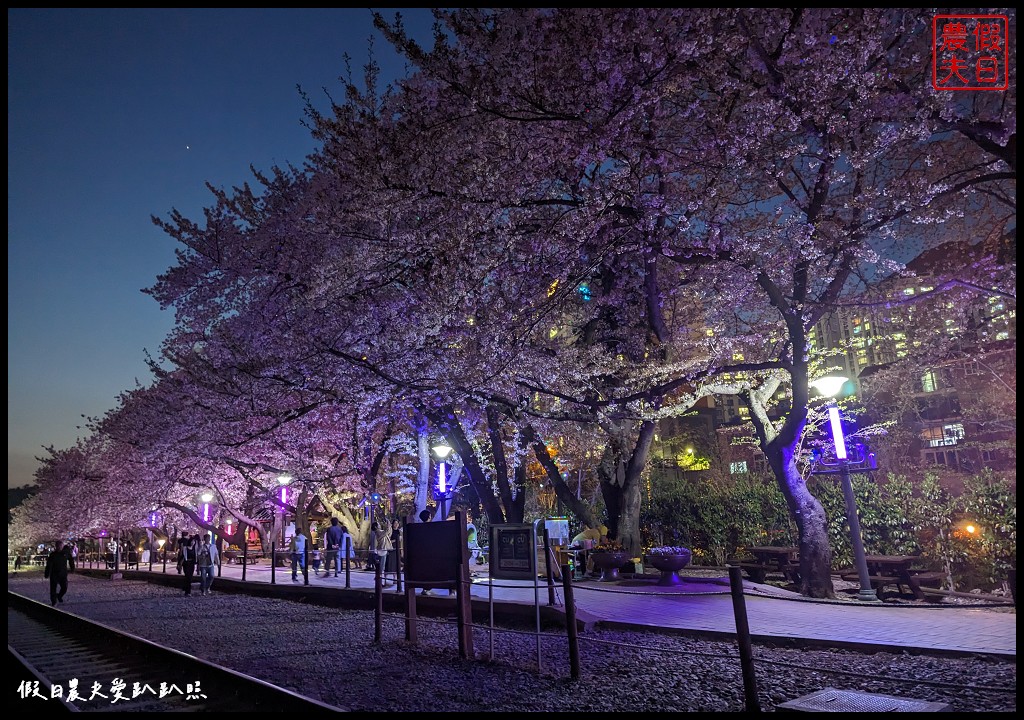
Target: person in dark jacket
(391,565)
(333,545)
(187,560)
(58,563)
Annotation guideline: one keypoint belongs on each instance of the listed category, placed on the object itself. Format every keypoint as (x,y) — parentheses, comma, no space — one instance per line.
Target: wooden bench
(921,580)
(756,571)
(914,582)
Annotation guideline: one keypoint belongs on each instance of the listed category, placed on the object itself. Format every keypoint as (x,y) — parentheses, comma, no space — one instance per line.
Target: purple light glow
(441,481)
(284,495)
(837,432)
(206,512)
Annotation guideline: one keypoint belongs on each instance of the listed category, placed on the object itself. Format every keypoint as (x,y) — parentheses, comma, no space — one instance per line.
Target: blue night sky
(118,115)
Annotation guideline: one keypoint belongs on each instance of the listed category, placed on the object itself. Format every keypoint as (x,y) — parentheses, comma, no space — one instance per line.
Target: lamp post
(830,387)
(443,489)
(163,553)
(207,498)
(284,481)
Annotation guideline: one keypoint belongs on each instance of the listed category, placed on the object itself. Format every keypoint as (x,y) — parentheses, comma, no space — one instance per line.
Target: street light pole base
(867,596)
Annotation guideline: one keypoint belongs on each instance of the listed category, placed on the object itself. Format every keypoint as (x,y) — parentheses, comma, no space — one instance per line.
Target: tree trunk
(583,511)
(423,473)
(620,471)
(447,422)
(815,552)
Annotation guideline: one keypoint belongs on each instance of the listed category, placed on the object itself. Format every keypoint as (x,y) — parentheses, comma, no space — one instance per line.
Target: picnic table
(898,570)
(773,559)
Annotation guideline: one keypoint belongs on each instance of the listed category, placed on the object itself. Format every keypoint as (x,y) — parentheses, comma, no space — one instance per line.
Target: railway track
(110,671)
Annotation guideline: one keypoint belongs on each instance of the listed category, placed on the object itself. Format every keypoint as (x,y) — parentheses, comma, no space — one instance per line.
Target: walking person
(372,546)
(187,560)
(207,558)
(333,540)
(392,561)
(298,546)
(58,563)
(348,546)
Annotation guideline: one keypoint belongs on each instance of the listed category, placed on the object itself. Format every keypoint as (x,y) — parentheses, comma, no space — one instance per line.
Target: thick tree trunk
(422,474)
(447,422)
(583,511)
(815,552)
(620,471)
(629,515)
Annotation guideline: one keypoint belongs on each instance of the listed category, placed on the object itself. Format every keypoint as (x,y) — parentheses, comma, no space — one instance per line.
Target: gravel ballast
(328,654)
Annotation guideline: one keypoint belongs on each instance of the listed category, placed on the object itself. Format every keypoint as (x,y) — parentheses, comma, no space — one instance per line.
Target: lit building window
(928,381)
(738,467)
(943,436)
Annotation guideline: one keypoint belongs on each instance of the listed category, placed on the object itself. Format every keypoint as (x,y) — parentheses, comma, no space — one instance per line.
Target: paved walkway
(703,606)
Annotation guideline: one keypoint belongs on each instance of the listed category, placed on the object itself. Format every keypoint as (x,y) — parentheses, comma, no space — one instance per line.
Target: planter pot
(669,565)
(609,564)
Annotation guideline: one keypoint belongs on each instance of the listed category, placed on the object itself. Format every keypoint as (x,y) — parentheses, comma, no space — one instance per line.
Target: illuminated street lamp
(443,490)
(283,482)
(207,498)
(830,387)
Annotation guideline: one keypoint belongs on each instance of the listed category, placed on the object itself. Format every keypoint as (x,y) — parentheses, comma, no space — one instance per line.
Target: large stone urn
(669,565)
(609,564)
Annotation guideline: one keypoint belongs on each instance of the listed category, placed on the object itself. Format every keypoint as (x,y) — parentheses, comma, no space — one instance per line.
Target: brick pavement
(703,606)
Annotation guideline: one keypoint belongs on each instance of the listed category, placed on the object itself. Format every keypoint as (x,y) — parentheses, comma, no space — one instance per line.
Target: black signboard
(434,551)
(513,554)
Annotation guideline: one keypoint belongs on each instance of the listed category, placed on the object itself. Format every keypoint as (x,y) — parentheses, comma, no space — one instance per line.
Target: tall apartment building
(976,333)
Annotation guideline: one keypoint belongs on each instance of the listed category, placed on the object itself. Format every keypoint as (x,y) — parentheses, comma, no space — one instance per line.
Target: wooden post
(273,563)
(245,553)
(378,605)
(739,609)
(410,614)
(465,600)
(570,624)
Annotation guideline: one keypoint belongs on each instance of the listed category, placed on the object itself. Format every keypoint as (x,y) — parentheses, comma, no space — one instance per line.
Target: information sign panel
(513,553)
